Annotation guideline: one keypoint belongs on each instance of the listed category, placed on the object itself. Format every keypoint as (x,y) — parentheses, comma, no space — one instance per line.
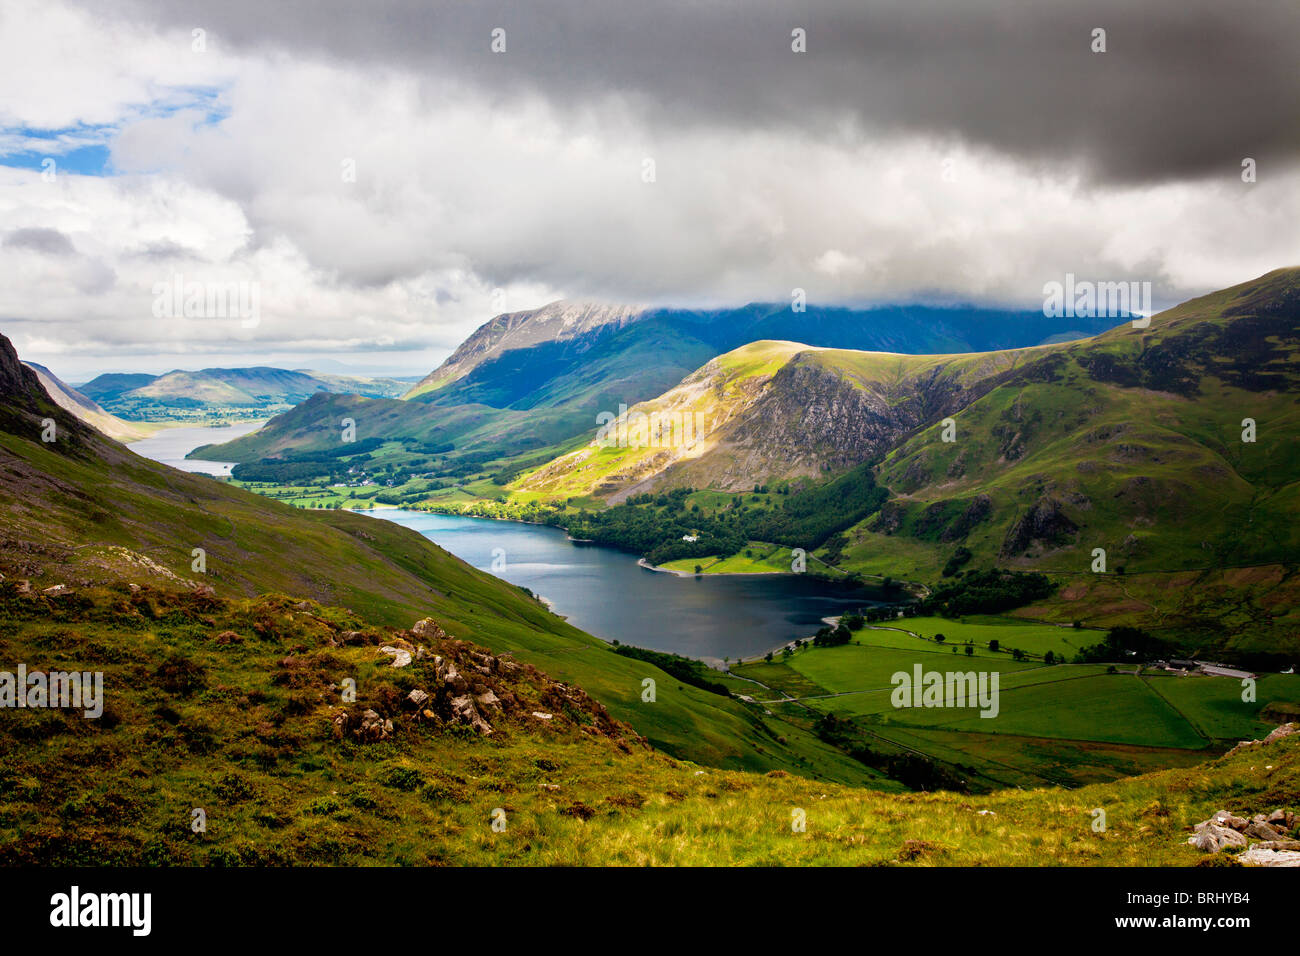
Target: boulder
(417,698)
(1277,733)
(1258,856)
(373,727)
(463,712)
(1212,838)
(1290,845)
(428,628)
(400,655)
(1224,819)
(1263,831)
(1285,730)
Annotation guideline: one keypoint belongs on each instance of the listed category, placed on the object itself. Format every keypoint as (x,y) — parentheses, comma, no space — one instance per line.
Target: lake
(605,592)
(171,445)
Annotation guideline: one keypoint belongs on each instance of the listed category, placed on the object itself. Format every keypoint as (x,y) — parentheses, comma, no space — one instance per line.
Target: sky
(372,181)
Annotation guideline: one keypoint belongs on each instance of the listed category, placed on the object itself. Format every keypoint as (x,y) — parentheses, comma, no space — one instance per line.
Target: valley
(823,533)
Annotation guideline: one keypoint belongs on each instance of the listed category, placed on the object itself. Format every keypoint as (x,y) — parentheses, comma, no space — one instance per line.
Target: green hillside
(1132,443)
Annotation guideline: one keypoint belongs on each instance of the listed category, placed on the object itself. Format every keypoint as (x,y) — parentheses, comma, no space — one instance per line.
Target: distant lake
(171,445)
(606,593)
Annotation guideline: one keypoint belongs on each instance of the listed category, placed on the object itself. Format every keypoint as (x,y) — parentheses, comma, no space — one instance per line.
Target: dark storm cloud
(1186,88)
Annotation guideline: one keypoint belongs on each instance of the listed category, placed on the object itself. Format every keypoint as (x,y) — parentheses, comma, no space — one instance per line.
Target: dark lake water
(605,592)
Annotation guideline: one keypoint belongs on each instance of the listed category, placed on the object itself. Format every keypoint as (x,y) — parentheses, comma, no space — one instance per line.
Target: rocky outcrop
(1285,730)
(461,685)
(1227,831)
(1042,527)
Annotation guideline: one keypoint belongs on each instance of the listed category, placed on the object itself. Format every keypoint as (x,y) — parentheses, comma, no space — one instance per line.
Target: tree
(939,638)
(994,645)
(699,569)
(970,650)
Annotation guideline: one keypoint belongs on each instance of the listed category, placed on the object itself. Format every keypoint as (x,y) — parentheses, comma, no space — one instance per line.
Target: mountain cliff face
(772,410)
(1170,450)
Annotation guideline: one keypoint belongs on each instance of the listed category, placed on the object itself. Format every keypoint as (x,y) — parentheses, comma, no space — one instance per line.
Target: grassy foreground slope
(233,708)
(82,510)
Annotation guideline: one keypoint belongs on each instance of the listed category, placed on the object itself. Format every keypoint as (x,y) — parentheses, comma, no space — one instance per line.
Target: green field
(1067,723)
(1032,638)
(757,558)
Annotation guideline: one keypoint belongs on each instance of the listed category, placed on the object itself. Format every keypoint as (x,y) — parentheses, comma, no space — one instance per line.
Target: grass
(1214,705)
(1067,724)
(1076,704)
(248,736)
(763,558)
(1033,639)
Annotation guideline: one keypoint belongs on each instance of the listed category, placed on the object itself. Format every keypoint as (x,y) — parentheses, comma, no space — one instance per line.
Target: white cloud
(459,191)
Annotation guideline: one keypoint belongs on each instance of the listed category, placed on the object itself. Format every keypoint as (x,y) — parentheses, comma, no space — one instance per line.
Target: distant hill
(112,384)
(85,408)
(250,392)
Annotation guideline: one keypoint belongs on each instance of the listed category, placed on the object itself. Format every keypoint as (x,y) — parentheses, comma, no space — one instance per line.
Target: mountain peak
(560,321)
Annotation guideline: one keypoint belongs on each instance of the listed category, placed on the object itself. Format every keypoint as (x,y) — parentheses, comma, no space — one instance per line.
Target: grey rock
(1213,838)
(417,698)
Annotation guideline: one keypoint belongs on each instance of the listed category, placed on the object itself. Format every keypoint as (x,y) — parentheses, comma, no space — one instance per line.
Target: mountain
(1173,447)
(767,411)
(579,323)
(85,408)
(224,391)
(526,381)
(84,515)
